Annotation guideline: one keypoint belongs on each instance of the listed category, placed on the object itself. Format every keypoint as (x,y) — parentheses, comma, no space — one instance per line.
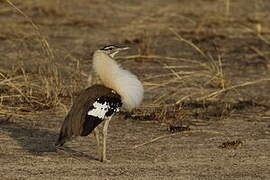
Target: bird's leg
(97,136)
(105,129)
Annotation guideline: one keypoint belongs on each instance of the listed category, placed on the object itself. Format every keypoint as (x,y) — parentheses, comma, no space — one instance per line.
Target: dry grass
(201,79)
(31,90)
(175,134)
(204,65)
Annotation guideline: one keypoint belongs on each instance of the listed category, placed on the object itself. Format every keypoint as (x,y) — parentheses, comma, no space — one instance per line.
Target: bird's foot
(105,160)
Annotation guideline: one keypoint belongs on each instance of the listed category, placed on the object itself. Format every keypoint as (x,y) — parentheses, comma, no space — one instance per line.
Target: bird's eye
(108,48)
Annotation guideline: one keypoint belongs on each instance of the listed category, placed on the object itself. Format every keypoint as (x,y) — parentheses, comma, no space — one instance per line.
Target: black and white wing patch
(104,107)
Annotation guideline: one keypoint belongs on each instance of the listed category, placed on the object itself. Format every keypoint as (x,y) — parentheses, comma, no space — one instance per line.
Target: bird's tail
(65,132)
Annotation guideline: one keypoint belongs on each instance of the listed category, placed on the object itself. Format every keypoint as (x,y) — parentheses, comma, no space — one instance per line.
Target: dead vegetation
(204,65)
(182,80)
(201,89)
(30,90)
(231,144)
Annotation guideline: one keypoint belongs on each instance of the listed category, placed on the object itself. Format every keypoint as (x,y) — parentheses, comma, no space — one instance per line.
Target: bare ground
(229,136)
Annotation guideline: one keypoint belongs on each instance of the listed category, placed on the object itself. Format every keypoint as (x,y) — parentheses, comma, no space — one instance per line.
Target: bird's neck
(122,81)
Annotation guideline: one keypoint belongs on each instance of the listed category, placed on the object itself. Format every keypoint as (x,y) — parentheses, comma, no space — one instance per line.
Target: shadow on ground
(34,140)
(37,141)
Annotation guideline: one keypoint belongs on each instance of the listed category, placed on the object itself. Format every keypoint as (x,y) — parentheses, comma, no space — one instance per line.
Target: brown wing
(75,122)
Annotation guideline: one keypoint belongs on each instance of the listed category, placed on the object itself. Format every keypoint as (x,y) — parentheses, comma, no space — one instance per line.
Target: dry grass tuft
(30,90)
(23,93)
(201,82)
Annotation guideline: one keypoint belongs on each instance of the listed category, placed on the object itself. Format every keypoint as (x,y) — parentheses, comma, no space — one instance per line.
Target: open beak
(119,49)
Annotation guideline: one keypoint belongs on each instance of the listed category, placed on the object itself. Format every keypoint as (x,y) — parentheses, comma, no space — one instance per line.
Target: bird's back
(85,113)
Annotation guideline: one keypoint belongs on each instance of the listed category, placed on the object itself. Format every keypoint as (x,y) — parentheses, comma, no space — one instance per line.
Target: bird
(96,105)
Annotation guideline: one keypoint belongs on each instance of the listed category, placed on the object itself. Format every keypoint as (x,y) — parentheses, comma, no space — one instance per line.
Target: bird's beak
(118,50)
(123,48)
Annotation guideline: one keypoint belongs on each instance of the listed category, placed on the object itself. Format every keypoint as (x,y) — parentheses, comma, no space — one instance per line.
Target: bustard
(98,103)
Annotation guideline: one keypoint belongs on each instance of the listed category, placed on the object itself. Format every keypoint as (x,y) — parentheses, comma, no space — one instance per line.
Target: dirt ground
(228,134)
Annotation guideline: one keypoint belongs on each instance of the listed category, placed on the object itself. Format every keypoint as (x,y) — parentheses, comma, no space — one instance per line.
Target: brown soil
(226,137)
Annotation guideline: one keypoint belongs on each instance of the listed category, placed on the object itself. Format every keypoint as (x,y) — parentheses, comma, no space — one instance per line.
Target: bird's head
(112,50)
